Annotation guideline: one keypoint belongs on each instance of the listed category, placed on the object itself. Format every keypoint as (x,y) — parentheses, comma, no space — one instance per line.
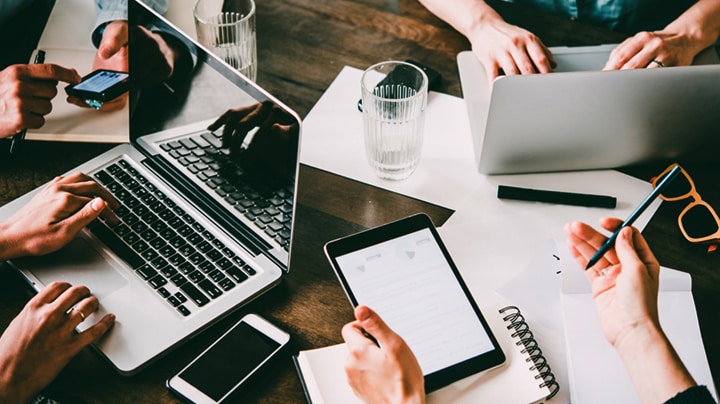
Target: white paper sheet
(492,240)
(333,140)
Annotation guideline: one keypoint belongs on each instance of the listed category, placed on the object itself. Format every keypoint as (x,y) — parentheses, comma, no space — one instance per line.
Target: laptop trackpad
(79,264)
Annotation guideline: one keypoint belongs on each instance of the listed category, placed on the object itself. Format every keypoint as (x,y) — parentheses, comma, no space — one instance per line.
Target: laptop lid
(589,119)
(264,141)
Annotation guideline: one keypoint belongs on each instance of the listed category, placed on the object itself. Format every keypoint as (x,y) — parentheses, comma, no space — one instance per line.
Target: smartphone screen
(231,360)
(101,81)
(408,281)
(100,86)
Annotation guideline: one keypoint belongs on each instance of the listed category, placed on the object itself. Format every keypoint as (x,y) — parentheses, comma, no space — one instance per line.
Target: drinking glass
(227,28)
(394,98)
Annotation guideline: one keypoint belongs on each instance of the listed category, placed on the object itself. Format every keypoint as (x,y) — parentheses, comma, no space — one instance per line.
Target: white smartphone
(220,370)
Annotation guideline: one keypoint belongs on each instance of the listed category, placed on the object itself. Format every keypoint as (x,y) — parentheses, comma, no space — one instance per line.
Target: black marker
(633,216)
(563,198)
(20,136)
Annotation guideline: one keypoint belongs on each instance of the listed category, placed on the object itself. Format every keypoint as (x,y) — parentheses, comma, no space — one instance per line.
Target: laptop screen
(251,146)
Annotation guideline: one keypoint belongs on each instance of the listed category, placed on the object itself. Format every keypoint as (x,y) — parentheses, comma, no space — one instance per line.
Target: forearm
(700,23)
(654,367)
(465,16)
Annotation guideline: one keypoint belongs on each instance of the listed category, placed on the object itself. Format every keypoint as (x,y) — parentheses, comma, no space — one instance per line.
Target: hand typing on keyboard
(273,147)
(55,215)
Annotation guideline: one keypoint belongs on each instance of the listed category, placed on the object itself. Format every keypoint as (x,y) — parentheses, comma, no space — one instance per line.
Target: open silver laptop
(580,117)
(202,232)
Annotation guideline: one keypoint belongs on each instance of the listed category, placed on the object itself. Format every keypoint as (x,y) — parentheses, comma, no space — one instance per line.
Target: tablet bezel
(399,228)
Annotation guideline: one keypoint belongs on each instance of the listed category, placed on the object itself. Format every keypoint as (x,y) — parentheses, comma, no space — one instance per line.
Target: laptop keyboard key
(180,297)
(157,281)
(104,177)
(195,294)
(146,272)
(178,279)
(226,284)
(210,288)
(163,292)
(238,275)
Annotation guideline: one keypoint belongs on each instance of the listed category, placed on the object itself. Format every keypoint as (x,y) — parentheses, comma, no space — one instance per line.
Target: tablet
(403,272)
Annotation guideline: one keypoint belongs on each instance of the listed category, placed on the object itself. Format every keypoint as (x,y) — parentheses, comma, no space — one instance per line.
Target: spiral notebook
(526,377)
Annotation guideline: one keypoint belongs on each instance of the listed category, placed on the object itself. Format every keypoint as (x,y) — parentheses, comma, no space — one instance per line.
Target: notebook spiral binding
(522,331)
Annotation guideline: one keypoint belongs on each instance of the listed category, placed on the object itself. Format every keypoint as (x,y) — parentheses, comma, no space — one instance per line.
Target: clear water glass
(228,30)
(394,99)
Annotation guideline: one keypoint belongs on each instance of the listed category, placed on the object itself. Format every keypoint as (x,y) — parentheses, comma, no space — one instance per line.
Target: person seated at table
(625,290)
(41,340)
(666,33)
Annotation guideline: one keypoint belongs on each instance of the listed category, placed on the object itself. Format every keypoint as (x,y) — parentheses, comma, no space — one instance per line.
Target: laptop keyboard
(165,246)
(268,207)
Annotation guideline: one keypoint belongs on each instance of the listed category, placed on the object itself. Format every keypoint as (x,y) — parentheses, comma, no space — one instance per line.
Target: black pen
(633,216)
(20,136)
(563,198)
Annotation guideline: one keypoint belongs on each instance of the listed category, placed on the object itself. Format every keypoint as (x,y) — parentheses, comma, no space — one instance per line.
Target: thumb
(627,253)
(114,38)
(87,214)
(374,325)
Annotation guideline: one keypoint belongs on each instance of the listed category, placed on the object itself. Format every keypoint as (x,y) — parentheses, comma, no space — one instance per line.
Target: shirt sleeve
(693,395)
(112,10)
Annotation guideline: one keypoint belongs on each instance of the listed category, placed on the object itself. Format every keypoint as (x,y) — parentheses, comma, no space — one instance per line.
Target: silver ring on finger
(658,63)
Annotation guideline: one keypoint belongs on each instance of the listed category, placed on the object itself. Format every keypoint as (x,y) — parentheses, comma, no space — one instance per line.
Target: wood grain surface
(302,46)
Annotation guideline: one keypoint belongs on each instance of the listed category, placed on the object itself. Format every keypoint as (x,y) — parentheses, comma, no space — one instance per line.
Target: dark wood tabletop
(302,46)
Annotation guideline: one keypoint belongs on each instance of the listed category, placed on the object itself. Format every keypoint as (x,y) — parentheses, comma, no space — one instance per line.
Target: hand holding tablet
(403,272)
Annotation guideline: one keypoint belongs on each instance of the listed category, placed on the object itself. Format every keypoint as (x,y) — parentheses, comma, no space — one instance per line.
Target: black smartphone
(434,77)
(100,86)
(231,360)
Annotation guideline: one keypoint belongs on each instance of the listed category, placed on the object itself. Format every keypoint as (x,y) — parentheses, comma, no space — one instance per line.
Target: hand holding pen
(664,183)
(26,92)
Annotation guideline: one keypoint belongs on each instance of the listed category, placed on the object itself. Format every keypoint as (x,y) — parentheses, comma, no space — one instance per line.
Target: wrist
(14,242)
(650,360)
(8,248)
(698,34)
(11,389)
(481,16)
(635,341)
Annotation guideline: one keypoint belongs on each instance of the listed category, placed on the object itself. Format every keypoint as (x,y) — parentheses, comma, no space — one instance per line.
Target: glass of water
(394,98)
(227,28)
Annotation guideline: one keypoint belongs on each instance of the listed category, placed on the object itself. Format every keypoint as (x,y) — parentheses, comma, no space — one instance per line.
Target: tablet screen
(408,282)
(406,277)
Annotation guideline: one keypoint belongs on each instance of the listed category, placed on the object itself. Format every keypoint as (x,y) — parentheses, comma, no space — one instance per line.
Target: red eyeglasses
(698,222)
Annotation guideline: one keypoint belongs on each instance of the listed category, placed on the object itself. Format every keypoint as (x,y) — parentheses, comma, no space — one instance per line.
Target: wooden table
(302,46)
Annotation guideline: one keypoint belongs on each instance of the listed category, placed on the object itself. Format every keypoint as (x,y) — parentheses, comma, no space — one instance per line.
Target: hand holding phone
(99,87)
(231,360)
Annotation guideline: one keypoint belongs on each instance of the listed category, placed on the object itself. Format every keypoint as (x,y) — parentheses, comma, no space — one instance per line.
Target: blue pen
(633,216)
(20,136)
